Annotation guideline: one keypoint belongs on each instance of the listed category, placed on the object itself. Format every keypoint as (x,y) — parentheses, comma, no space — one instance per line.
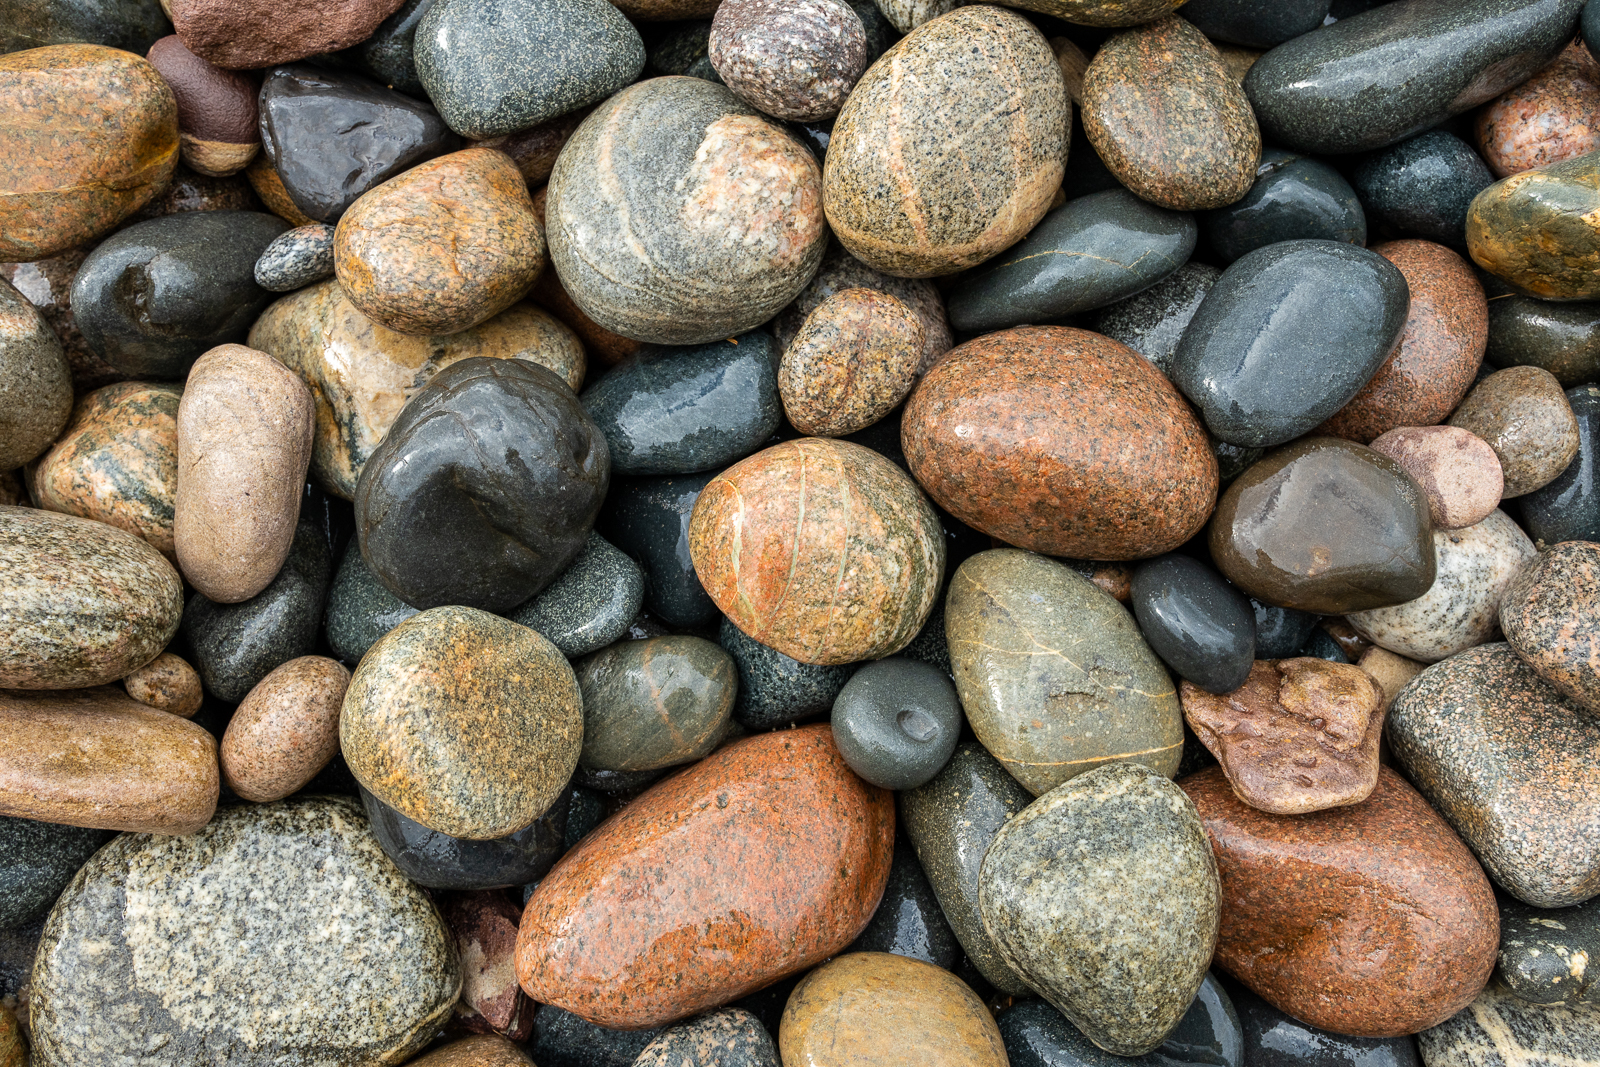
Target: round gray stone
(896,722)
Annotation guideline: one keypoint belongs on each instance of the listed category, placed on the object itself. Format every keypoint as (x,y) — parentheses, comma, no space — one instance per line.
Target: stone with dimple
(1540,230)
(1552,116)
(285,730)
(896,722)
(853,360)
(1549,614)
(1457,471)
(730,1037)
(654,703)
(1524,416)
(1500,1030)
(793,60)
(167,683)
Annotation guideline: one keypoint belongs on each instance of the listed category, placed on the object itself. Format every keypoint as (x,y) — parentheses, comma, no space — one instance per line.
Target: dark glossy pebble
(331,136)
(1255,24)
(1198,624)
(387,54)
(1294,197)
(908,921)
(678,410)
(1568,509)
(1152,322)
(1524,331)
(561,1039)
(150,299)
(615,781)
(590,604)
(1233,460)
(1210,1033)
(1085,254)
(296,259)
(360,608)
(896,722)
(484,489)
(1272,315)
(684,50)
(1280,632)
(37,860)
(648,518)
(234,646)
(131,25)
(1378,77)
(1273,1039)
(440,861)
(1589,24)
(1321,645)
(1422,186)
(774,690)
(1546,954)
(586,809)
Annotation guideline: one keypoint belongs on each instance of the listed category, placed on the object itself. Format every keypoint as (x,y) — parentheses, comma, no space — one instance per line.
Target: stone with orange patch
(1552,116)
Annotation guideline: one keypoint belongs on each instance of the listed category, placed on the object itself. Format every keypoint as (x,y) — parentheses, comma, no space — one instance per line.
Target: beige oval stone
(481,1050)
(245,428)
(1458,471)
(285,730)
(167,683)
(1390,671)
(97,758)
(855,357)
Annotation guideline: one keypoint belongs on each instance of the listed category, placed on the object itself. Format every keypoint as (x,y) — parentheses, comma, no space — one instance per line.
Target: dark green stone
(1036,1035)
(360,609)
(1422,186)
(648,518)
(131,25)
(1590,25)
(1198,624)
(1524,331)
(590,604)
(1255,24)
(561,1039)
(908,921)
(37,860)
(1294,197)
(775,690)
(1152,322)
(1568,509)
(684,50)
(896,722)
(1547,955)
(387,54)
(656,703)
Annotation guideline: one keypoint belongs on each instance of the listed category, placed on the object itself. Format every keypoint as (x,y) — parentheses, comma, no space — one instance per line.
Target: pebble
(1152,322)
(360,609)
(37,861)
(132,27)
(648,518)
(35,381)
(656,703)
(1390,671)
(1538,230)
(1423,185)
(483,925)
(908,921)
(481,1050)
(256,33)
(285,730)
(775,690)
(1547,610)
(896,722)
(853,360)
(1273,1039)
(1524,416)
(1294,197)
(1498,1030)
(1568,509)
(731,1037)
(1564,339)
(13,1045)
(386,55)
(1246,23)
(166,683)
(296,258)
(1456,470)
(1200,626)
(1545,954)
(562,1039)
(1553,116)
(442,862)
(269,188)
(1513,765)
(795,60)
(47,285)
(590,604)
(217,131)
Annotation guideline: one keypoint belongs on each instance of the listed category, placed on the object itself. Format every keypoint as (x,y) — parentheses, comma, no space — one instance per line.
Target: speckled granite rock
(776,690)
(948,216)
(1499,1030)
(35,381)
(679,215)
(649,518)
(853,360)
(654,703)
(1545,953)
(1549,613)
(286,730)
(1538,229)
(590,604)
(85,602)
(1423,186)
(296,259)
(464,722)
(1244,22)
(1152,322)
(102,140)
(793,60)
(311,944)
(1456,470)
(1568,509)
(440,861)
(1524,416)
(730,1037)
(1552,116)
(360,609)
(37,860)
(907,15)
(1120,945)
(1513,765)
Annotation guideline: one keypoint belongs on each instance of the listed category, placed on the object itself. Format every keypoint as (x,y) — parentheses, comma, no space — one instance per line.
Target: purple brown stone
(484,925)
(1551,617)
(245,34)
(793,59)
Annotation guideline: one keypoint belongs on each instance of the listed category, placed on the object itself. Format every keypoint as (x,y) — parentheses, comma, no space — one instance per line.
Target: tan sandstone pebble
(1459,473)
(1527,420)
(167,683)
(285,730)
(855,358)
(1300,735)
(1073,64)
(245,427)
(483,1050)
(1390,671)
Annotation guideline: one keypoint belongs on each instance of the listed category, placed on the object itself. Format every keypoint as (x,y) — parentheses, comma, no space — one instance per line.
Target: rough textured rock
(217,130)
(1524,416)
(731,1037)
(776,690)
(1499,1030)
(285,730)
(35,381)
(296,258)
(484,927)
(1457,471)
(1551,117)
(853,360)
(37,861)
(243,36)
(795,61)
(166,683)
(1538,230)
(654,703)
(1548,611)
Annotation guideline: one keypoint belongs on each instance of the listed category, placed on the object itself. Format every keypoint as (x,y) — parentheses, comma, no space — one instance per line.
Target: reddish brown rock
(1551,617)
(534,151)
(758,862)
(1063,442)
(821,549)
(1439,351)
(793,59)
(484,926)
(1349,640)
(91,135)
(1552,116)
(854,359)
(486,1050)
(285,730)
(1372,920)
(243,34)
(1457,470)
(269,187)
(217,127)
(1300,735)
(167,683)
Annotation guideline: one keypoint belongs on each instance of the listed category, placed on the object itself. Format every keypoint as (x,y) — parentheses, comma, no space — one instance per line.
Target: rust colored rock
(1372,920)
(1525,417)
(1063,442)
(1168,119)
(486,1050)
(243,34)
(1439,351)
(1300,735)
(91,135)
(758,862)
(821,549)
(167,683)
(854,359)
(1457,470)
(96,758)
(217,127)
(269,187)
(484,926)
(1552,116)
(1390,672)
(1551,617)
(285,730)
(667,10)
(443,247)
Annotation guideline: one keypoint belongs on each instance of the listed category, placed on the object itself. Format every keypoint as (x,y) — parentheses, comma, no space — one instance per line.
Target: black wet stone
(1294,197)
(484,489)
(234,646)
(494,67)
(360,608)
(1499,1030)
(585,810)
(896,722)
(684,50)
(1273,1039)
(1548,955)
(1321,645)
(767,1004)
(1198,624)
(1524,331)
(1086,172)
(561,1039)
(151,298)
(1422,186)
(1254,24)
(590,604)
(1589,24)
(37,860)
(1152,322)
(1287,336)
(1280,632)
(1037,1035)
(131,25)
(1376,78)
(1568,509)
(648,518)
(387,54)
(908,921)
(679,410)
(440,861)
(1085,254)
(331,136)
(296,259)
(729,1037)
(775,690)
(603,781)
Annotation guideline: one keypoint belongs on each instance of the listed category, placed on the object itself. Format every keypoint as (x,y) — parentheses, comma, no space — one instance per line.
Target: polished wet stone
(1526,418)
(774,690)
(652,704)
(1273,1039)
(1152,322)
(1563,338)
(1294,198)
(387,54)
(1546,953)
(561,1039)
(1421,187)
(1538,230)
(908,921)
(1253,25)
(1321,645)
(1198,624)
(590,604)
(648,518)
(439,861)
(896,722)
(130,25)
(1568,509)
(1281,632)
(38,859)
(360,608)
(296,259)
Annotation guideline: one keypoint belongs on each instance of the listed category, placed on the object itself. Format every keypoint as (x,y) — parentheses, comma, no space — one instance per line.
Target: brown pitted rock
(1525,417)
(821,549)
(167,683)
(484,926)
(216,109)
(285,730)
(1372,920)
(1457,470)
(900,130)
(1552,116)
(244,34)
(1439,351)
(483,1050)
(1300,735)
(1551,617)
(793,59)
(13,1045)
(35,381)
(1170,122)
(91,136)
(854,359)
(47,285)
(534,151)
(269,187)
(1063,442)
(443,247)
(1392,673)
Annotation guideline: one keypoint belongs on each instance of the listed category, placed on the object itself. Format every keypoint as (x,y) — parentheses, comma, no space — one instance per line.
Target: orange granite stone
(758,862)
(90,136)
(1552,116)
(269,187)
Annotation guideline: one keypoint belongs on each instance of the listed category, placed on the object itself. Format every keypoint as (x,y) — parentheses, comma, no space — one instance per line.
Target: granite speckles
(1549,614)
(1547,955)
(776,690)
(1423,186)
(1524,416)
(37,861)
(731,1037)
(35,381)
(590,604)
(793,59)
(1499,1030)
(296,259)
(853,360)
(1552,116)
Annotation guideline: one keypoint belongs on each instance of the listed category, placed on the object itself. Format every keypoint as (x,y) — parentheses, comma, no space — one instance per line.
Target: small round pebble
(166,683)
(896,722)
(793,59)
(297,258)
(1457,470)
(285,730)
(853,360)
(1524,416)
(590,604)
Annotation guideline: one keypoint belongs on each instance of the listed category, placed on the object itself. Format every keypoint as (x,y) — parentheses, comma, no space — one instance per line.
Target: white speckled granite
(1498,1030)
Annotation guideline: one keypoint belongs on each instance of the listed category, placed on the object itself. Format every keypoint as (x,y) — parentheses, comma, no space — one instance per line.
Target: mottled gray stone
(1104,896)
(1498,1030)
(37,860)
(1152,322)
(731,1037)
(360,608)
(896,722)
(1549,955)
(297,258)
(654,703)
(590,604)
(35,381)
(775,690)
(279,934)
